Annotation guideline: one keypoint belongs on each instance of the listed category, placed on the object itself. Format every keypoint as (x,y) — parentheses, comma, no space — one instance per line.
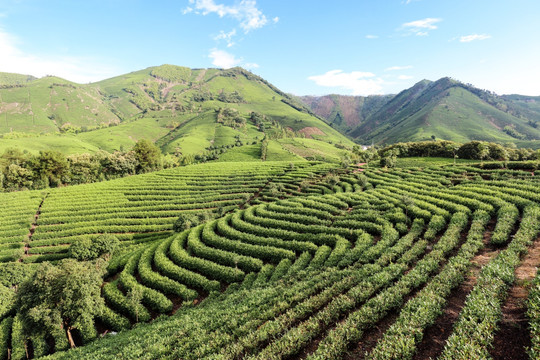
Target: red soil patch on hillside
(310,131)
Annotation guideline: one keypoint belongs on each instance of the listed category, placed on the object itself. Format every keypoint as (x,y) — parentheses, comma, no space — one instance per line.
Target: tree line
(473,150)
(23,171)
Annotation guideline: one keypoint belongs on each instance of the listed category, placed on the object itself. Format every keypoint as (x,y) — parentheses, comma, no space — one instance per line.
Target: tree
(389,159)
(119,163)
(408,202)
(188,220)
(51,167)
(88,249)
(83,168)
(12,156)
(452,148)
(54,166)
(66,296)
(17,177)
(483,151)
(345,161)
(365,155)
(148,156)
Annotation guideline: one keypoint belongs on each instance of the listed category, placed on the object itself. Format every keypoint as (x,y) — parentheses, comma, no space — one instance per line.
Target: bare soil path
(33,227)
(513,335)
(435,336)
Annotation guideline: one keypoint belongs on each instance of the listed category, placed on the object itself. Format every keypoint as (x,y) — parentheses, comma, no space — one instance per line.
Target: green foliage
(7,296)
(51,166)
(233,97)
(389,158)
(18,339)
(264,149)
(89,249)
(506,219)
(171,73)
(147,155)
(189,220)
(514,133)
(282,272)
(65,296)
(475,150)
(14,273)
(5,332)
(21,171)
(230,117)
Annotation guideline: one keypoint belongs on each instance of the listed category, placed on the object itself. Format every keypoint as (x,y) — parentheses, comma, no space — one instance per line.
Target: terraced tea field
(300,261)
(40,225)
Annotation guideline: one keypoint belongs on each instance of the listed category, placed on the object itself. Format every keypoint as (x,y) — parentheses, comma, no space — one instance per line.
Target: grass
(126,135)
(243,153)
(67,144)
(312,149)
(14,79)
(276,152)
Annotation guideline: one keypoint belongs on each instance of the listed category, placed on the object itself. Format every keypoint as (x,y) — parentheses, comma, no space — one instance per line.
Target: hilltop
(182,110)
(445,109)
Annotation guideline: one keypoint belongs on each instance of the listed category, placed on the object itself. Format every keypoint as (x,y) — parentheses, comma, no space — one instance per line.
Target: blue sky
(314,47)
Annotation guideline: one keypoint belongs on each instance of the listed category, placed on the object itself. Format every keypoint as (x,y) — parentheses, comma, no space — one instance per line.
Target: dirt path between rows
(513,337)
(435,336)
(33,228)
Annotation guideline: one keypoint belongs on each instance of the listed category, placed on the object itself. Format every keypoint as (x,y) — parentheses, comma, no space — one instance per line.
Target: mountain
(345,112)
(182,110)
(444,109)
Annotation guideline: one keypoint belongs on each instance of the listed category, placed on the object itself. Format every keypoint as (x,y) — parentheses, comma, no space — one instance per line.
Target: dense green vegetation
(272,260)
(22,170)
(474,150)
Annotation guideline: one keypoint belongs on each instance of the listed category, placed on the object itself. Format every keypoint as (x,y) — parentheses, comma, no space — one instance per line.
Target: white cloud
(405,77)
(357,82)
(251,65)
(421,27)
(394,68)
(223,59)
(226,36)
(275,20)
(427,23)
(245,11)
(473,37)
(372,36)
(74,68)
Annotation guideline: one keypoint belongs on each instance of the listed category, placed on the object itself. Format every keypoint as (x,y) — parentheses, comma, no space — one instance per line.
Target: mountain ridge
(230,106)
(446,109)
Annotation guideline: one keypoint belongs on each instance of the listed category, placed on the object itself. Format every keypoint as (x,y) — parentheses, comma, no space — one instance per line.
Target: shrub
(88,249)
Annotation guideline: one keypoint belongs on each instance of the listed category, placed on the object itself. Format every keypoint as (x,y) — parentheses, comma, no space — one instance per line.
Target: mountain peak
(445,109)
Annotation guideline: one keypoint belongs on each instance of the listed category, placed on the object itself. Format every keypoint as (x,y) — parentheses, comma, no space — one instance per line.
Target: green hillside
(187,111)
(445,109)
(276,260)
(11,79)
